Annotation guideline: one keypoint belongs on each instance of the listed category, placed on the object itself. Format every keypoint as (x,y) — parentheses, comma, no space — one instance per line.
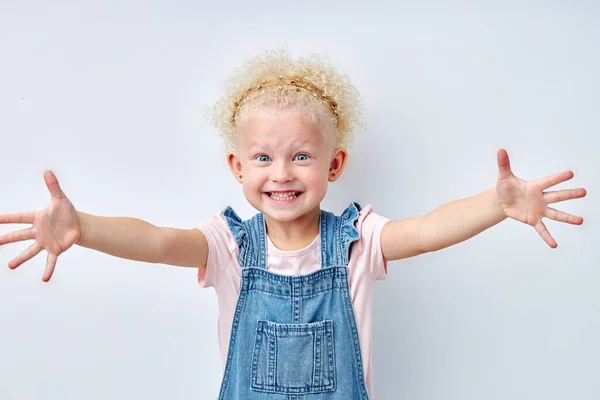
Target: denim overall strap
(250,238)
(337,234)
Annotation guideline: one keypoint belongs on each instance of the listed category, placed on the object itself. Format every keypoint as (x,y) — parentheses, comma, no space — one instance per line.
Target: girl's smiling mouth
(283,196)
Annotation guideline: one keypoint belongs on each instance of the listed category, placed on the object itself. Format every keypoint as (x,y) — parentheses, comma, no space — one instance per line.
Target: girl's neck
(296,234)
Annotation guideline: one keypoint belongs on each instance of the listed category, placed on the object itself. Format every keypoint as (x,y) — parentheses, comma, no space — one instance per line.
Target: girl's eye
(302,157)
(263,158)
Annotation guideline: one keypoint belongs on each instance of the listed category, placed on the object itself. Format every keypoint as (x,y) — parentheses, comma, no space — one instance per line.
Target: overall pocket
(293,358)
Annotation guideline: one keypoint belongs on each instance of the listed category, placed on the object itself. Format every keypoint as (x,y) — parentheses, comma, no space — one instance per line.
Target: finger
(562,216)
(50,264)
(541,229)
(562,195)
(504,170)
(17,218)
(53,186)
(551,180)
(27,255)
(18,236)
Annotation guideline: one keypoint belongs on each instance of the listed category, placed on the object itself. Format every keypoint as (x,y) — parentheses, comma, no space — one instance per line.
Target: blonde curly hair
(341,121)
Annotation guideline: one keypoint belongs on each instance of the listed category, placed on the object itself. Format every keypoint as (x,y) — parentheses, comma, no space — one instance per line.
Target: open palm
(527,202)
(55,228)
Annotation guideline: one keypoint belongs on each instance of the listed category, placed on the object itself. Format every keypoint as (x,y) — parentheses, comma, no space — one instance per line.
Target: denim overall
(294,337)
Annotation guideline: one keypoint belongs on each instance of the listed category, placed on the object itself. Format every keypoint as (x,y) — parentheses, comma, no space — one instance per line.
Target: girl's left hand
(527,202)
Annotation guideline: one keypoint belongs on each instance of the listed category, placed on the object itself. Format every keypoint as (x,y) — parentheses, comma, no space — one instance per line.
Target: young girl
(294,282)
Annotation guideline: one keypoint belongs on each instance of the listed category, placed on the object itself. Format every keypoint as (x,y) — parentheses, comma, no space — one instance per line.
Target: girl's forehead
(279,129)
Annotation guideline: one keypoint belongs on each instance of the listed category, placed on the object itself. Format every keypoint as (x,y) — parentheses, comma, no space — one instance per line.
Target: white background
(111,97)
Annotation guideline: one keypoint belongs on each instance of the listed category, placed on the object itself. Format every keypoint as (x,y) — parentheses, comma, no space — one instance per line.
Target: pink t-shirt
(365,267)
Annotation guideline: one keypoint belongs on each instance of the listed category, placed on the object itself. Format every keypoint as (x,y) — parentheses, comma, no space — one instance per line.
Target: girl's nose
(281,172)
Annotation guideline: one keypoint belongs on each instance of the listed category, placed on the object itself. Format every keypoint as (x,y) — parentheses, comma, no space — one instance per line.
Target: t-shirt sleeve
(221,250)
(368,247)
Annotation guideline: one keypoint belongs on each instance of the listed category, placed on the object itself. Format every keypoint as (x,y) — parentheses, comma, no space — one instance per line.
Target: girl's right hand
(55,228)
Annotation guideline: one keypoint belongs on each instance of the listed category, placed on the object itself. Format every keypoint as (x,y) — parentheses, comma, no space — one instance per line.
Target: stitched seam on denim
(355,343)
(330,343)
(306,279)
(257,342)
(324,242)
(339,259)
(289,296)
(234,329)
(270,294)
(316,358)
(300,327)
(262,232)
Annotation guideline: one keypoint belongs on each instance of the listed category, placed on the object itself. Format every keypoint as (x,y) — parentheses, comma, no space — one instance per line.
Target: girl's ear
(338,162)
(235,165)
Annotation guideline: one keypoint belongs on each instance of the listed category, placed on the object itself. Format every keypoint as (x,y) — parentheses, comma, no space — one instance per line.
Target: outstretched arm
(459,220)
(138,240)
(59,226)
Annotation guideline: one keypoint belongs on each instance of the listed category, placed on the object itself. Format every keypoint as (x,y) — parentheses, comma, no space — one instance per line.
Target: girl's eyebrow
(305,142)
(256,146)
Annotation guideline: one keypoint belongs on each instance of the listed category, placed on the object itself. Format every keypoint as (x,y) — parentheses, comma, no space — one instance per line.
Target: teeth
(283,196)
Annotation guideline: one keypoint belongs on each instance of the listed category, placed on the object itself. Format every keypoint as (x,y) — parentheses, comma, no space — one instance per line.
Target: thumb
(53,186)
(504,170)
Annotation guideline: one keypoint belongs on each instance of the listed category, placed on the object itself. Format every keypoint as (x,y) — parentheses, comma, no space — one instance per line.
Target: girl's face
(286,163)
